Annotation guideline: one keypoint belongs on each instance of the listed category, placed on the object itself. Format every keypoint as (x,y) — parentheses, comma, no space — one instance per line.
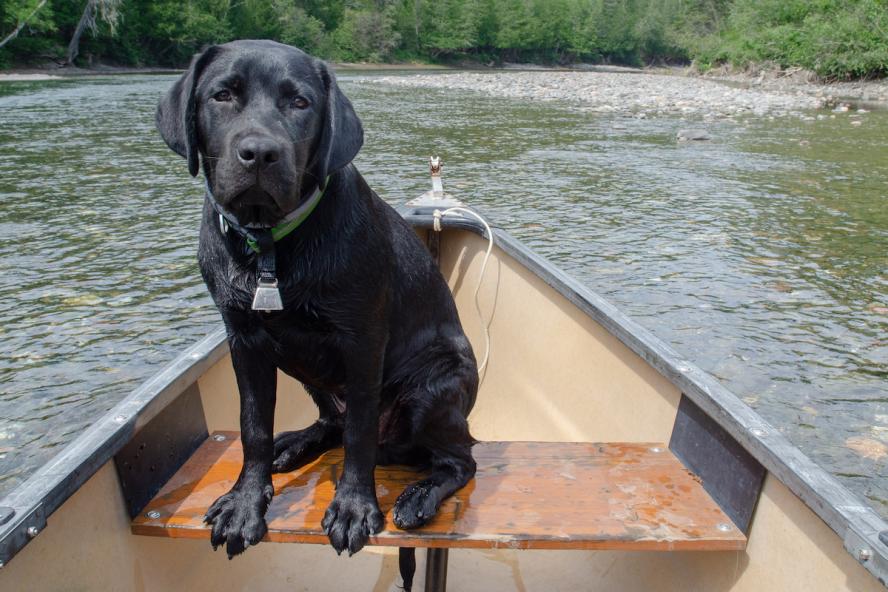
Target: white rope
(437,216)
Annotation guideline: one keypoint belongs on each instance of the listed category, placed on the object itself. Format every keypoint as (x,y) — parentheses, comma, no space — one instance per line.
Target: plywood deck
(526,495)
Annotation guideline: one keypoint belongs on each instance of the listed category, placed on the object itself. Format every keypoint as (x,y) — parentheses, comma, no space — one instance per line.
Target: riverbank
(640,94)
(758,90)
(55,72)
(764,77)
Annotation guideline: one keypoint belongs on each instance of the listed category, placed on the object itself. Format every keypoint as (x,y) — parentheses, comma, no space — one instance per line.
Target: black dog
(367,324)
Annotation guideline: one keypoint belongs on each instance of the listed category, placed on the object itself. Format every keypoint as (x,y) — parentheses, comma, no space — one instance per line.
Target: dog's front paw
(352,517)
(238,518)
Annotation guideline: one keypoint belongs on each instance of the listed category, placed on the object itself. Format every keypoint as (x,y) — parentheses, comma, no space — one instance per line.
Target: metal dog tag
(267,296)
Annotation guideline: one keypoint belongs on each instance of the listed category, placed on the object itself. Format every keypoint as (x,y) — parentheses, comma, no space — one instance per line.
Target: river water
(760,255)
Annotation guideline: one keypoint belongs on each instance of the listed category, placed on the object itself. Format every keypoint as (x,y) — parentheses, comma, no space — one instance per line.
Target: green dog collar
(293,220)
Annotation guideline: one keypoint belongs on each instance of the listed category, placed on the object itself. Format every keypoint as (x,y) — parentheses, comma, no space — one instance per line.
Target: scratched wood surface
(526,495)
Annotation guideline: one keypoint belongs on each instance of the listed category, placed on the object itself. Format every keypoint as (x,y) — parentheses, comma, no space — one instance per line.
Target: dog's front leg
(354,514)
(238,517)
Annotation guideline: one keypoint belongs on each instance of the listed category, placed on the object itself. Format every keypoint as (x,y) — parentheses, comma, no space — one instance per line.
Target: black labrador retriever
(366,321)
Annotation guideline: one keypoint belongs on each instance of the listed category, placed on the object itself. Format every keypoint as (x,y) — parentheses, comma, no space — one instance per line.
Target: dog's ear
(342,134)
(176,115)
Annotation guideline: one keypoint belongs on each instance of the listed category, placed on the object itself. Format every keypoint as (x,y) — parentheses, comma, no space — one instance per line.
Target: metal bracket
(160,448)
(729,473)
(17,534)
(437,197)
(863,549)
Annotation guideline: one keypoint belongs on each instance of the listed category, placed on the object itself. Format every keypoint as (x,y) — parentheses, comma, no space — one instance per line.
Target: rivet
(195,355)
(120,418)
(656,449)
(723,527)
(219,438)
(757,432)
(33,531)
(864,554)
(153,514)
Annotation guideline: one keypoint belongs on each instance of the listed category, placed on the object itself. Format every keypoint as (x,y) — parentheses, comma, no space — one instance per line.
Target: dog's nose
(256,150)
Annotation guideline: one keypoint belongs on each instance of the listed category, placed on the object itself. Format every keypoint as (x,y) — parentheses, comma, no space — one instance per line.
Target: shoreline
(873,92)
(60,73)
(762,78)
(640,95)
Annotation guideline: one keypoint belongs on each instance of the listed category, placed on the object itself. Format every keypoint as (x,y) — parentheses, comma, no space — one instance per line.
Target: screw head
(758,432)
(33,531)
(153,514)
(120,418)
(724,527)
(864,554)
(219,437)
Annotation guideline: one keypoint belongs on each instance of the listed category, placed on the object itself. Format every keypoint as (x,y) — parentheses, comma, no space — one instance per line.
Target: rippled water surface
(760,255)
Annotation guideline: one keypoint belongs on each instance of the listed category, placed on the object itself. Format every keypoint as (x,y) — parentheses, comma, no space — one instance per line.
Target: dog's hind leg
(295,449)
(450,454)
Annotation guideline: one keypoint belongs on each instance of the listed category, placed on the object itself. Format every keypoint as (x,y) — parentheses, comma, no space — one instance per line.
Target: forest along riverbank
(639,94)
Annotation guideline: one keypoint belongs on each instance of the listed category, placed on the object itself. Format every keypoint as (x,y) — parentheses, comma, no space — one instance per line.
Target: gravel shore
(637,94)
(19,77)
(797,80)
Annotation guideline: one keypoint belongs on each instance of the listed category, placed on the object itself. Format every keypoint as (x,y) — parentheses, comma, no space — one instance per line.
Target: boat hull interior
(555,374)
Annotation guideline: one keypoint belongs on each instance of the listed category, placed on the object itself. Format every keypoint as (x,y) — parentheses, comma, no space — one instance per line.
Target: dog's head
(268,121)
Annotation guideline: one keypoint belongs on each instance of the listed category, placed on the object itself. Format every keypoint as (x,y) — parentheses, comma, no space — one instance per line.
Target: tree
(368,33)
(23,14)
(106,9)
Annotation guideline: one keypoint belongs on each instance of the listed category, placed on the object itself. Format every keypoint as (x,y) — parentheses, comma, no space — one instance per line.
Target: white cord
(437,216)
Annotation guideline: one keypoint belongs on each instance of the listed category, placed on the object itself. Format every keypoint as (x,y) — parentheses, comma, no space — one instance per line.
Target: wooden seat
(526,495)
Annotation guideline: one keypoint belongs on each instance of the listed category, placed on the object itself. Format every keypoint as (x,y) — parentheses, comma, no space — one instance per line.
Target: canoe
(607,462)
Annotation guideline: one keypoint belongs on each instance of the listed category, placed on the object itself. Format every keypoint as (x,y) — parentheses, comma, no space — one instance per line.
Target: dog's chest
(306,344)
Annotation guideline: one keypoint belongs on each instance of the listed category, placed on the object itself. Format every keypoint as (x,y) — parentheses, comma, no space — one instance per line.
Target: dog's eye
(299,102)
(223,96)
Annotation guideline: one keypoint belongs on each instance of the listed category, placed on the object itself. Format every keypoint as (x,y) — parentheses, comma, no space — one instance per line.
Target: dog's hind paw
(351,518)
(295,449)
(415,506)
(238,518)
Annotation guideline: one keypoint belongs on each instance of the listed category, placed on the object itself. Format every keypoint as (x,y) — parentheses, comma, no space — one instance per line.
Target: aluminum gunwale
(855,522)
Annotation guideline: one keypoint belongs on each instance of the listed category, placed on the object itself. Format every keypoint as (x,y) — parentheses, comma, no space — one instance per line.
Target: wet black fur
(369,325)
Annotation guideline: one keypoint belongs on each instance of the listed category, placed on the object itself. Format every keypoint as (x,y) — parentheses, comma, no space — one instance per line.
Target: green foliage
(367,34)
(301,29)
(13,12)
(36,38)
(836,38)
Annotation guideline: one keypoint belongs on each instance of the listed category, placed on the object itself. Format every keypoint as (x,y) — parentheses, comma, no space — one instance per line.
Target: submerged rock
(693,135)
(867,447)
